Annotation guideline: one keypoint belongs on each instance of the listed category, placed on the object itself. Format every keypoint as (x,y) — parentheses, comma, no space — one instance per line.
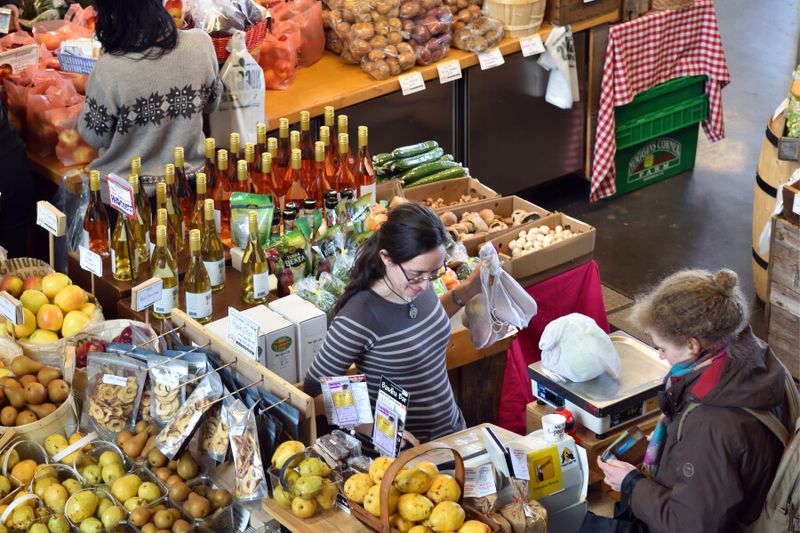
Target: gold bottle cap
(161,235)
(249,152)
(169,174)
(297,159)
(266,163)
(94,180)
(202,182)
(362,136)
(272,146)
(294,139)
(179,156)
(133,179)
(342,124)
(222,159)
(208,209)
(261,133)
(136,165)
(161,193)
(161,217)
(325,135)
(194,240)
(305,120)
(319,151)
(234,143)
(329,115)
(344,143)
(283,127)
(252,218)
(241,170)
(211,147)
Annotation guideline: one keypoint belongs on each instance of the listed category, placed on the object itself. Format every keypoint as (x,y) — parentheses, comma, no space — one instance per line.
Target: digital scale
(606,402)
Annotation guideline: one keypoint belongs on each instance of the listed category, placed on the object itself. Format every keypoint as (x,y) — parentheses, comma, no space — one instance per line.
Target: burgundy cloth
(575,291)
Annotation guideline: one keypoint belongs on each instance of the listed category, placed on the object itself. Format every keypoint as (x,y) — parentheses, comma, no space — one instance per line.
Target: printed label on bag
(479,481)
(198,305)
(118,381)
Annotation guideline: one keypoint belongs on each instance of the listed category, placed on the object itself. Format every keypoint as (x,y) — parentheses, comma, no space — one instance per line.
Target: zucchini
(416,173)
(414,149)
(447,157)
(450,173)
(381,159)
(417,160)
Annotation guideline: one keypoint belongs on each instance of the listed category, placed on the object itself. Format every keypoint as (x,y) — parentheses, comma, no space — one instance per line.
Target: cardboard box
(554,259)
(451,192)
(311,325)
(502,206)
(276,342)
(386,190)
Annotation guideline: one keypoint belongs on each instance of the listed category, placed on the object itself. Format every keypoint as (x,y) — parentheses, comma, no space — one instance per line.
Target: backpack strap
(689,408)
(772,423)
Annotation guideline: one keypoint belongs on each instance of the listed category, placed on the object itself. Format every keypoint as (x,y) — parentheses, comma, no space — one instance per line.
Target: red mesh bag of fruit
(279,56)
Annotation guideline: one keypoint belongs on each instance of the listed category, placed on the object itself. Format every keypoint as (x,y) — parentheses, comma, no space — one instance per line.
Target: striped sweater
(380,338)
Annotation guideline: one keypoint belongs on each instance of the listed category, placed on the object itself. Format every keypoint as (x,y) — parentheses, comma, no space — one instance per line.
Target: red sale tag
(120,195)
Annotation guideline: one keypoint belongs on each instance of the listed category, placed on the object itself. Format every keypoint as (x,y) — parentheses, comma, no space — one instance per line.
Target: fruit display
(94,510)
(138,445)
(53,308)
(483,222)
(538,238)
(160,517)
(301,481)
(103,464)
(417,164)
(203,499)
(34,392)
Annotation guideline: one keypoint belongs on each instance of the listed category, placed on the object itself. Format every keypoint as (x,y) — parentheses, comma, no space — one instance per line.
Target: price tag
(243,333)
(146,294)
(120,194)
(117,381)
(449,71)
(491,58)
(91,261)
(519,463)
(391,409)
(531,45)
(479,481)
(51,219)
(11,308)
(412,83)
(796,204)
(21,58)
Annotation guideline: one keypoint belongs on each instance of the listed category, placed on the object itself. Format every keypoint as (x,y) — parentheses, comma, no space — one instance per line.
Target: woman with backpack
(711,459)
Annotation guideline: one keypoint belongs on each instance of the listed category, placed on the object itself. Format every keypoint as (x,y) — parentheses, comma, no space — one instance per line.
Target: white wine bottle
(124,252)
(196,284)
(138,224)
(162,220)
(174,210)
(255,274)
(212,249)
(164,265)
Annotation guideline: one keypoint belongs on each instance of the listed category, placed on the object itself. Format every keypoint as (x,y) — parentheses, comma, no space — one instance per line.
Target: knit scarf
(653,454)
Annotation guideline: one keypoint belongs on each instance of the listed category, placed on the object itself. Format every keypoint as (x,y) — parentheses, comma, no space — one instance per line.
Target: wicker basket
(663,5)
(520,17)
(253,39)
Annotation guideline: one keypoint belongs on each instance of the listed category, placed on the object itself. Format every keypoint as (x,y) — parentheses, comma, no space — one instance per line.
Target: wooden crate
(783,302)
(563,12)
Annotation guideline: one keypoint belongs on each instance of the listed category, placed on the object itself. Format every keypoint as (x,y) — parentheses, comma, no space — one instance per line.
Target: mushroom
(487,215)
(448,218)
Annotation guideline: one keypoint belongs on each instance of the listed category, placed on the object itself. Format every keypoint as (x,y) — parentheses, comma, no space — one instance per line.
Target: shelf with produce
(331,82)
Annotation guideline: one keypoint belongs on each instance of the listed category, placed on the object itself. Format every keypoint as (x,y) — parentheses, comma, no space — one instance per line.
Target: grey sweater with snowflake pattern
(148,106)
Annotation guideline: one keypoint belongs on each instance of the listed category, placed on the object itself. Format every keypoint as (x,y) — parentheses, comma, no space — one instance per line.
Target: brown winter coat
(717,477)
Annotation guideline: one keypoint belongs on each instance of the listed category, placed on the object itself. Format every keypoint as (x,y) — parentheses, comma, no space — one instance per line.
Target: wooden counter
(51,169)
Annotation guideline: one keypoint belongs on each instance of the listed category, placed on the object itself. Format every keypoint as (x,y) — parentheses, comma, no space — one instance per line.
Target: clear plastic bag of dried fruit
(362,26)
(389,61)
(479,35)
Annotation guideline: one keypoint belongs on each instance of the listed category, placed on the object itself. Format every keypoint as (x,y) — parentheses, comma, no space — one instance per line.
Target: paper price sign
(412,83)
(491,58)
(391,409)
(479,481)
(519,463)
(51,219)
(120,194)
(531,45)
(243,333)
(449,71)
(91,261)
(11,308)
(146,294)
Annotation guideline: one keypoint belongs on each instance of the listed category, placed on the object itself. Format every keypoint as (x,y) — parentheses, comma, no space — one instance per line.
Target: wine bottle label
(367,189)
(113,261)
(168,301)
(216,272)
(198,305)
(218,220)
(260,285)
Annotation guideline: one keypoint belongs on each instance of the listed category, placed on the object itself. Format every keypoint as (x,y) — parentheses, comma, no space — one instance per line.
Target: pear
(35,393)
(48,374)
(42,411)
(314,466)
(55,497)
(58,524)
(327,496)
(134,445)
(82,506)
(197,506)
(307,486)
(23,366)
(15,396)
(112,516)
(58,390)
(90,525)
(187,468)
(72,486)
(126,487)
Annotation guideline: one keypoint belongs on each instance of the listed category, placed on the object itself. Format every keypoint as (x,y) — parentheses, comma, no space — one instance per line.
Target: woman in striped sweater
(389,322)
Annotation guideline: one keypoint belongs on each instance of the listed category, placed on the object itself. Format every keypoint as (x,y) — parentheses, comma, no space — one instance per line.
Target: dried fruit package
(166,391)
(213,442)
(172,438)
(251,483)
(115,385)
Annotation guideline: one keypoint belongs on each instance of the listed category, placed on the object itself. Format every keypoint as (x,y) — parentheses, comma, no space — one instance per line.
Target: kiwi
(179,491)
(8,415)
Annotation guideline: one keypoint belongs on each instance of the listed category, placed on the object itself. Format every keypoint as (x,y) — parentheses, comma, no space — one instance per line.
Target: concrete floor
(703,218)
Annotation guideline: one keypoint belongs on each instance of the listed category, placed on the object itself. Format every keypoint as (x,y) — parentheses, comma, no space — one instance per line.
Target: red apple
(33,283)
(12,284)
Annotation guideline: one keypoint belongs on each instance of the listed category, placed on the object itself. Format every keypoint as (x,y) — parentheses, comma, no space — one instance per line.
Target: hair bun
(726,281)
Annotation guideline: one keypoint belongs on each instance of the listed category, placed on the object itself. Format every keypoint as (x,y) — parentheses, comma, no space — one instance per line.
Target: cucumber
(414,149)
(416,173)
(447,157)
(381,159)
(417,160)
(450,173)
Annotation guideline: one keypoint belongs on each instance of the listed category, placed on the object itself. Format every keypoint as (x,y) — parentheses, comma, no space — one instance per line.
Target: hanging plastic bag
(279,57)
(242,103)
(306,15)
(502,304)
(575,348)
(71,148)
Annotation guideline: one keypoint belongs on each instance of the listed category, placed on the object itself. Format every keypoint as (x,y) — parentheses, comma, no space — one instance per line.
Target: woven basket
(520,17)
(663,5)
(253,39)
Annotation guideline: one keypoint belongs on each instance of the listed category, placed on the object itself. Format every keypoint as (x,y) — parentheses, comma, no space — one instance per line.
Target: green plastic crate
(658,139)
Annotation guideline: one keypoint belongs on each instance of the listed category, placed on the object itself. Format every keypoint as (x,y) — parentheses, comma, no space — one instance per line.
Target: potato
(343,28)
(394,66)
(382,27)
(410,10)
(395,38)
(376,55)
(362,30)
(462,4)
(359,47)
(384,7)
(407,59)
(458,25)
(378,69)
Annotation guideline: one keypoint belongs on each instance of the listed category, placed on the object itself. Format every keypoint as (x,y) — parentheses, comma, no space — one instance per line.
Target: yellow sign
(544,466)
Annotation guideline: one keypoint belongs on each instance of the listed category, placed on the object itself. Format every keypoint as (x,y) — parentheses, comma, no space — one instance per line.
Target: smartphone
(630,447)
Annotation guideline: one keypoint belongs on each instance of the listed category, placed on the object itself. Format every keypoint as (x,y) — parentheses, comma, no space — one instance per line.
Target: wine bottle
(263,181)
(249,157)
(272,147)
(330,156)
(183,191)
(306,144)
(196,284)
(96,225)
(162,220)
(165,266)
(364,173)
(275,230)
(297,192)
(212,250)
(319,180)
(330,123)
(282,161)
(344,177)
(234,150)
(261,141)
(289,218)
(196,221)
(123,251)
(342,127)
(141,235)
(211,163)
(172,206)
(255,274)
(222,196)
(242,182)
(140,198)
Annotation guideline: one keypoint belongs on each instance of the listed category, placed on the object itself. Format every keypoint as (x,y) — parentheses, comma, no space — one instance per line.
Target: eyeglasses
(421,279)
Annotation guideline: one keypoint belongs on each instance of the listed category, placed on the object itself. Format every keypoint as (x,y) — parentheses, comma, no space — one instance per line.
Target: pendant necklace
(412,309)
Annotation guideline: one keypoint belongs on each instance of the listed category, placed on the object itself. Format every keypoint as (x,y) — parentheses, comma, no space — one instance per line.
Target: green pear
(58,524)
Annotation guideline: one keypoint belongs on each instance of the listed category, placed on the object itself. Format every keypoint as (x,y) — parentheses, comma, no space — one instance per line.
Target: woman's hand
(471,287)
(615,471)
(14,25)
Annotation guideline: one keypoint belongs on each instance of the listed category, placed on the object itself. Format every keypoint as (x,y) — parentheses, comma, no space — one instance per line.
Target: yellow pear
(73,323)
(43,336)
(444,488)
(474,526)
(372,501)
(356,487)
(378,468)
(414,507)
(53,283)
(33,300)
(447,516)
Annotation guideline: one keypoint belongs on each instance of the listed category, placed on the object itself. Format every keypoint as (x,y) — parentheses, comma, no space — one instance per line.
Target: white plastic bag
(502,304)
(559,59)
(574,347)
(242,104)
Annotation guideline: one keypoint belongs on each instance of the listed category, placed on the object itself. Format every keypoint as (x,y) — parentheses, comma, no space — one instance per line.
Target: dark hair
(411,230)
(131,26)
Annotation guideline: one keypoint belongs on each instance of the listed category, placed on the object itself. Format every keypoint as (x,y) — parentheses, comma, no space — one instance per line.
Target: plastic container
(99,492)
(25,449)
(93,457)
(219,520)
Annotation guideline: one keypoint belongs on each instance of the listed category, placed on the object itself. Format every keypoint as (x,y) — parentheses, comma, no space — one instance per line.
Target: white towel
(559,59)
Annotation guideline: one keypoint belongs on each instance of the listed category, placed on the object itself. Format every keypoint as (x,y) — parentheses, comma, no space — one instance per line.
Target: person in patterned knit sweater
(149,91)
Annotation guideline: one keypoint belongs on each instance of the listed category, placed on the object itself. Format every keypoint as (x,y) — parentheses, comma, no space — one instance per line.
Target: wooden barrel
(520,17)
(771,173)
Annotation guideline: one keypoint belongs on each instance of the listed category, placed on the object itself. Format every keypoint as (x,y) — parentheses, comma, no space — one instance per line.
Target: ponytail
(367,268)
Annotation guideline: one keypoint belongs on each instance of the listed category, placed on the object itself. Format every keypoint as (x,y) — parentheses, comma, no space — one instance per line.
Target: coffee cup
(554,427)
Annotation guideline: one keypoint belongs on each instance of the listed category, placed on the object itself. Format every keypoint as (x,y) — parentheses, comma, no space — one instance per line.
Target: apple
(52,283)
(69,138)
(32,283)
(33,300)
(12,284)
(50,317)
(83,350)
